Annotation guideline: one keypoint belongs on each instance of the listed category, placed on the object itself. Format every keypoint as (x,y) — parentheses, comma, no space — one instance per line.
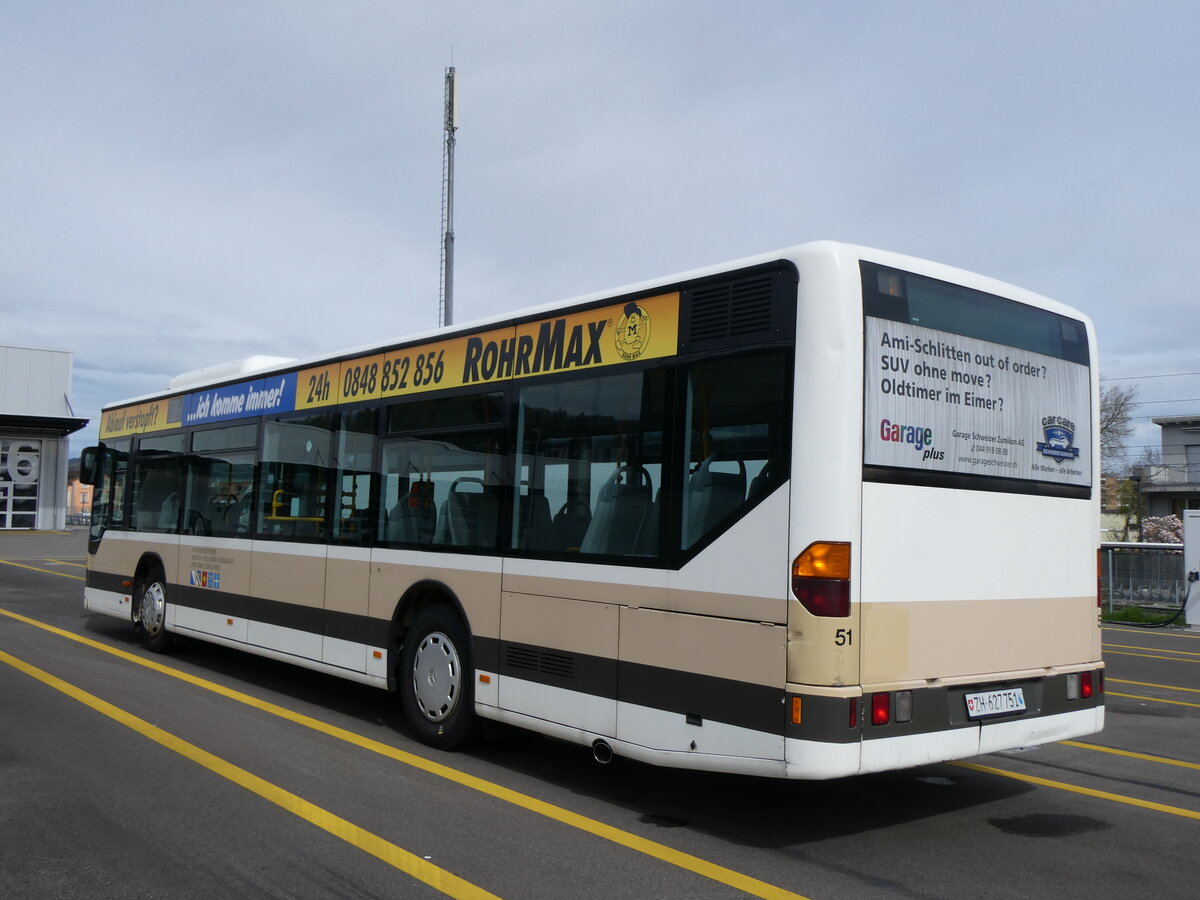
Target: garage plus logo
(919,437)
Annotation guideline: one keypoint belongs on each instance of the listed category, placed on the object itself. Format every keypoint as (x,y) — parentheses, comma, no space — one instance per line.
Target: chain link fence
(1144,575)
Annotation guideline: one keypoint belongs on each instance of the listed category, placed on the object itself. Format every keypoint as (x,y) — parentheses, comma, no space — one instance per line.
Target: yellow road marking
(1152,656)
(409,863)
(1076,789)
(1142,756)
(1153,699)
(634,842)
(1148,632)
(9,562)
(1165,687)
(1156,649)
(67,562)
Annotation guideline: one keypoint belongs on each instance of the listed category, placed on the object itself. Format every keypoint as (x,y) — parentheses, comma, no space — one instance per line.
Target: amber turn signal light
(821,578)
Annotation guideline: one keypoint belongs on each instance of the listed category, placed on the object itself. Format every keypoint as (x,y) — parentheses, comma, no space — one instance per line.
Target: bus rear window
(969,390)
(904,297)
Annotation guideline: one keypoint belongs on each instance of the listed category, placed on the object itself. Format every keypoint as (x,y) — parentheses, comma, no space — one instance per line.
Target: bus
(825,511)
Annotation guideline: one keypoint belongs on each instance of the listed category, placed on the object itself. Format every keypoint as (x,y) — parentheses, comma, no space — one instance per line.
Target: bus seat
(196,522)
(150,502)
(647,538)
(761,480)
(146,516)
(168,513)
(470,516)
(535,528)
(401,525)
(621,508)
(711,497)
(571,524)
(220,511)
(414,518)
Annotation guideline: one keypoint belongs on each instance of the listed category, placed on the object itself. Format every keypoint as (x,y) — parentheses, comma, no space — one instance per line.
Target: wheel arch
(420,595)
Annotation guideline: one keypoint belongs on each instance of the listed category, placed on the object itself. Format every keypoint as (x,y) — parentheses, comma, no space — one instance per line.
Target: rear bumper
(837,737)
(812,759)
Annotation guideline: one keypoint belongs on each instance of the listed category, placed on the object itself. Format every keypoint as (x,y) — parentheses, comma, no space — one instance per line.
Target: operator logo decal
(205,579)
(1060,439)
(632,334)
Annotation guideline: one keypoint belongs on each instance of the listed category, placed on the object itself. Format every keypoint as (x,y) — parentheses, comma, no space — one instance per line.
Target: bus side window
(216,484)
(737,441)
(443,490)
(354,450)
(444,475)
(108,496)
(218,475)
(158,484)
(590,464)
(293,480)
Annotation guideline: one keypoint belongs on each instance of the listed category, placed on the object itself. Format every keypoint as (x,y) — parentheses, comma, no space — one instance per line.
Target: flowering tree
(1162,530)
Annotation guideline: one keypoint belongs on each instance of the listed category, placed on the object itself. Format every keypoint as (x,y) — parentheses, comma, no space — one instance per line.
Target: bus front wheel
(435,679)
(151,608)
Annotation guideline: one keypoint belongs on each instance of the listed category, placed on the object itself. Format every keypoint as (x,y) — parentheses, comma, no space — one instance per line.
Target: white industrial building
(35,420)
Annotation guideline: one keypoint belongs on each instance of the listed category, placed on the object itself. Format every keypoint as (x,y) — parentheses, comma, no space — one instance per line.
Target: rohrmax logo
(1060,439)
(632,334)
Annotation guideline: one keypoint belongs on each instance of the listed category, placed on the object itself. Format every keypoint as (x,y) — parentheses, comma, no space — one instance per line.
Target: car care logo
(1060,438)
(632,334)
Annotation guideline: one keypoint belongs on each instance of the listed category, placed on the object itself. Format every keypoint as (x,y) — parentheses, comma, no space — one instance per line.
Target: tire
(436,679)
(150,610)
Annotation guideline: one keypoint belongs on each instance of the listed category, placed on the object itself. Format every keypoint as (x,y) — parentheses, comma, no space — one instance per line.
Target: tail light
(1082,685)
(821,578)
(881,709)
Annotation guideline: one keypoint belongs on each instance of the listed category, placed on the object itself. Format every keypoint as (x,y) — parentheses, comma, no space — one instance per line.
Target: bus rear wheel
(435,679)
(151,610)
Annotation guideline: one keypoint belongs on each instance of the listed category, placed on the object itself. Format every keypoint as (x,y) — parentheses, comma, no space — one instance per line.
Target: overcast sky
(186,183)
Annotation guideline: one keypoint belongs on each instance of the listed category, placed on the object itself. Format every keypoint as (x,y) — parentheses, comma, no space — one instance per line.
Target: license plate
(995,703)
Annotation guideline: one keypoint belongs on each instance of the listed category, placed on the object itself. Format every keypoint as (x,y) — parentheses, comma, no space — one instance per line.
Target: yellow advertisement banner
(643,329)
(156,415)
(610,335)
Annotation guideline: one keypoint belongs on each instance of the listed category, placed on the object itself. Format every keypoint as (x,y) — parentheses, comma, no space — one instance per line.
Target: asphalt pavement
(40,544)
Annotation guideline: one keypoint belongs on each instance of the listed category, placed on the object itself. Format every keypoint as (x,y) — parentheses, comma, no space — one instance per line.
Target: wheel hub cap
(436,676)
(153,605)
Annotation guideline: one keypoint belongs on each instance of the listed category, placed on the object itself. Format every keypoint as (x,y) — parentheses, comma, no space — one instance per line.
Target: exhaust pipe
(602,752)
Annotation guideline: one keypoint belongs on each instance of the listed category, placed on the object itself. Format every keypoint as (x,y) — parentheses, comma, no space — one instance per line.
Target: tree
(1163,529)
(1128,501)
(1116,421)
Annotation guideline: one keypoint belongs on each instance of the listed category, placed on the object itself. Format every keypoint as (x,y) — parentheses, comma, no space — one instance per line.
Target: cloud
(189,182)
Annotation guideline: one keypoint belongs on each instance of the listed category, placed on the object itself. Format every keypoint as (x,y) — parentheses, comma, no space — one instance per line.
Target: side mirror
(89,465)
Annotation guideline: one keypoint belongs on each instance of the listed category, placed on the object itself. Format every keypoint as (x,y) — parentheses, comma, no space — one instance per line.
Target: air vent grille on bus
(731,309)
(544,662)
(521,658)
(747,310)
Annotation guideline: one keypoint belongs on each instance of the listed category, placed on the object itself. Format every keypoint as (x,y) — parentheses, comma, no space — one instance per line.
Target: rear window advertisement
(943,402)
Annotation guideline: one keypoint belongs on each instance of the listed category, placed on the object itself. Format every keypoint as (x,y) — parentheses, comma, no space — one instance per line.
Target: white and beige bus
(825,511)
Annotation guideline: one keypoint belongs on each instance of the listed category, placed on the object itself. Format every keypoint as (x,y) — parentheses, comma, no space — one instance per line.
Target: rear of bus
(949,609)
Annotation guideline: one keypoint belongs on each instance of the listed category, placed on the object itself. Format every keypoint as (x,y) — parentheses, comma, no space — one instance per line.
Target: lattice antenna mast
(446,282)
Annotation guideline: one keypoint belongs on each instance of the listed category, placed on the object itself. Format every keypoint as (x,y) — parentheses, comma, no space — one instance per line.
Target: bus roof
(232,371)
